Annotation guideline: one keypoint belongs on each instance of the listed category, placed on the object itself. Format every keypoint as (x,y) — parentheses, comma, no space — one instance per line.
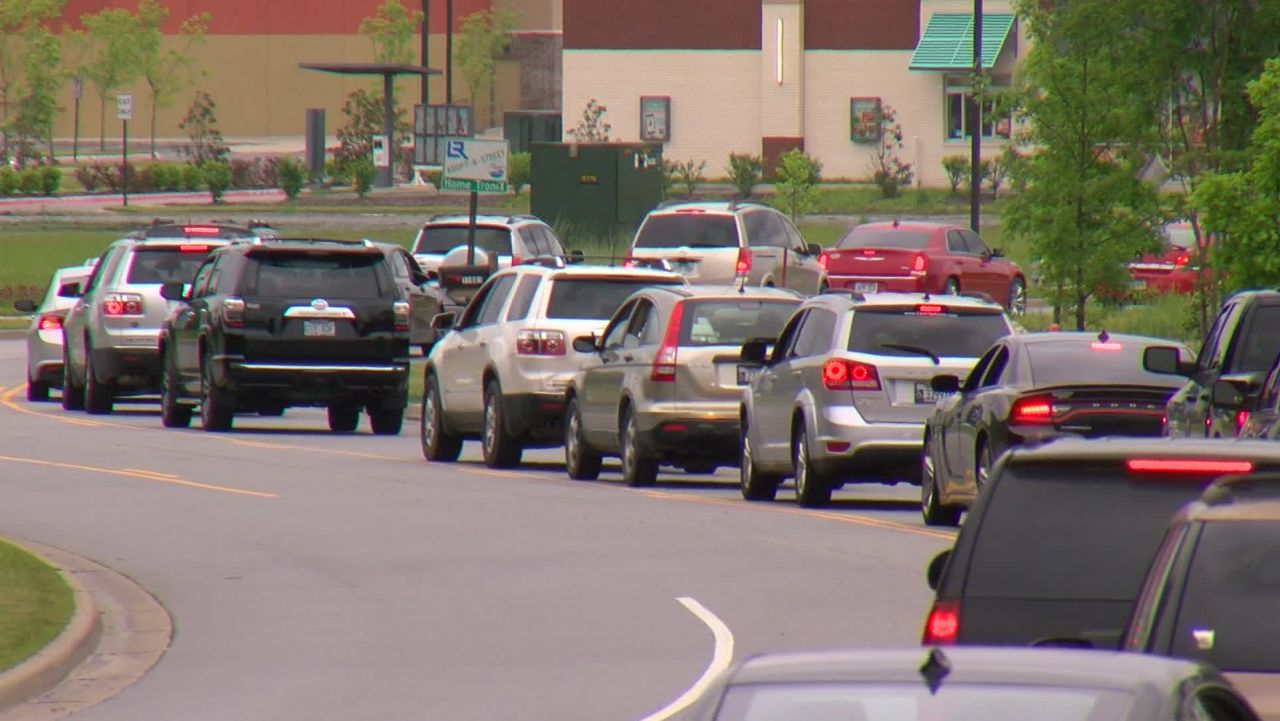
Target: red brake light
(1036,410)
(664,363)
(823,261)
(839,374)
(191,248)
(919,264)
(868,252)
(1242,417)
(1179,465)
(49,322)
(743,266)
(943,625)
(1105,346)
(200,230)
(117,304)
(540,342)
(931,309)
(1182,260)
(516,260)
(628,261)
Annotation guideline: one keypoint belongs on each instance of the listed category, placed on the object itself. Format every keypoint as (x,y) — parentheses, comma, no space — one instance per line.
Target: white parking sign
(124,106)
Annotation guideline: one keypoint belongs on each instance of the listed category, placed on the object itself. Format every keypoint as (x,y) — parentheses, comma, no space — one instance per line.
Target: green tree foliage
(165,63)
(201,126)
(20,28)
(293,175)
(113,60)
(1085,211)
(957,168)
(796,186)
(362,172)
(363,112)
(37,104)
(483,38)
(217,178)
(519,171)
(689,174)
(391,28)
(745,170)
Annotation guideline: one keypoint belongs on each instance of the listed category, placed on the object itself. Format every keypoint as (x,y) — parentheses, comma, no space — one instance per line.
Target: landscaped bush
(293,175)
(744,172)
(87,178)
(50,179)
(31,181)
(192,177)
(217,177)
(362,172)
(337,172)
(957,167)
(9,181)
(519,171)
(165,176)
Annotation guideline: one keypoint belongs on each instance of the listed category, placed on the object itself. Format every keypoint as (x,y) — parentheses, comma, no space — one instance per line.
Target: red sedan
(1171,271)
(923,257)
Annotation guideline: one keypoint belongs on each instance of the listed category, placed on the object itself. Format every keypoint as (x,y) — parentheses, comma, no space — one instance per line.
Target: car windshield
(1228,612)
(733,322)
(879,238)
(914,702)
(440,239)
(307,275)
(1095,362)
(165,265)
(688,230)
(594,298)
(948,334)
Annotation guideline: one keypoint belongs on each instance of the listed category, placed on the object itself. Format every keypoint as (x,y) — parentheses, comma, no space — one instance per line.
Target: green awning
(947,42)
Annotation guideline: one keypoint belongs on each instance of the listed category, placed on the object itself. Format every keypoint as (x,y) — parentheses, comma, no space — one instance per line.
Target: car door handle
(797,373)
(628,358)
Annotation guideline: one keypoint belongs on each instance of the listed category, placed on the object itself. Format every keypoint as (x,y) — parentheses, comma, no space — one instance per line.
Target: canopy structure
(947,41)
(388,71)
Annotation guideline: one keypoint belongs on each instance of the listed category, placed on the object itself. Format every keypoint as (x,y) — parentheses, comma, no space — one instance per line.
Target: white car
(44,335)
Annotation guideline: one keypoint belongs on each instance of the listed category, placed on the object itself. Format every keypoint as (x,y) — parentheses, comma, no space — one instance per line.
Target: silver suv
(663,383)
(500,374)
(729,242)
(845,392)
(111,333)
(514,238)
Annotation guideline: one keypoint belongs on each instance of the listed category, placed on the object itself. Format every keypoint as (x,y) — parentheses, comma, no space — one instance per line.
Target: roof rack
(854,294)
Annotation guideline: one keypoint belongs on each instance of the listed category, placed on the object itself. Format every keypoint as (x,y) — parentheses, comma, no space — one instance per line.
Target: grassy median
(35,604)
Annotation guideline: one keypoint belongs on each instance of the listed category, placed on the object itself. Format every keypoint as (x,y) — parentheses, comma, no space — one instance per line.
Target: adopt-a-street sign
(475,165)
(124,106)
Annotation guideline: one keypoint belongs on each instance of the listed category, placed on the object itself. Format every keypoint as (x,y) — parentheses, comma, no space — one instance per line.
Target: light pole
(426,57)
(448,52)
(975,105)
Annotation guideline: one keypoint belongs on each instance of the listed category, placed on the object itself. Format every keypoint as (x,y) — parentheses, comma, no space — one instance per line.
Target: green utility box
(523,128)
(598,188)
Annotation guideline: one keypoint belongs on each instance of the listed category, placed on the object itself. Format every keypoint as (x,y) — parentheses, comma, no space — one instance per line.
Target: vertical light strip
(778,59)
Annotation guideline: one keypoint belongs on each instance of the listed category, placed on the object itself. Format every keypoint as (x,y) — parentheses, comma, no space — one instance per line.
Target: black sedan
(1032,387)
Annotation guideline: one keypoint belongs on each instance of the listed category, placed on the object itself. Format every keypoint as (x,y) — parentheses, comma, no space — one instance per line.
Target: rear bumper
(538,416)
(132,367)
(674,438)
(845,444)
(318,383)
(884,284)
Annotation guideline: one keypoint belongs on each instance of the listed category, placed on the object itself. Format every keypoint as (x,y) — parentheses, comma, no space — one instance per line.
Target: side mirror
(933,575)
(997,252)
(443,321)
(577,256)
(417,277)
(1230,394)
(1166,360)
(815,249)
(25,306)
(173,291)
(945,383)
(755,351)
(70,290)
(585,344)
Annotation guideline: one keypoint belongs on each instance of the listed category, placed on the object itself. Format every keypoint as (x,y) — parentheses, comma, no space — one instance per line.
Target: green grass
(1168,316)
(415,381)
(35,605)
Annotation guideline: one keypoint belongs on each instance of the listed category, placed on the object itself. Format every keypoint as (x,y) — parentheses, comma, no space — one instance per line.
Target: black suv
(272,323)
(1058,542)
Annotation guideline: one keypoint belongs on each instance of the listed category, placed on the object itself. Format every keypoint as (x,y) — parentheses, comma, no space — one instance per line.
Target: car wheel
(1018,297)
(99,398)
(343,417)
(812,489)
(982,464)
(386,421)
(756,486)
(501,449)
(37,391)
(637,469)
(952,287)
(935,514)
(581,462)
(437,444)
(216,410)
(172,413)
(72,394)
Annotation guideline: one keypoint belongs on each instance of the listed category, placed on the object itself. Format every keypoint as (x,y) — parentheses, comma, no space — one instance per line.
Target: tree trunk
(1080,309)
(153,127)
(102,121)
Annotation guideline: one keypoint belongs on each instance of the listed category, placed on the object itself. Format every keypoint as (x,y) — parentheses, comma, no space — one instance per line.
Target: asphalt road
(314,576)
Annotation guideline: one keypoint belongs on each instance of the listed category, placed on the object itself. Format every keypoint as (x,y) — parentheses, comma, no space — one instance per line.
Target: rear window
(1095,363)
(1228,613)
(594,298)
(1258,351)
(732,322)
(906,239)
(439,239)
(689,230)
(1086,532)
(311,275)
(165,265)
(946,334)
(1180,236)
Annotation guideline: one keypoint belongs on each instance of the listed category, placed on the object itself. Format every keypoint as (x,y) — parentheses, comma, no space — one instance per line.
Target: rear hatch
(435,241)
(702,246)
(709,373)
(151,265)
(905,346)
(887,252)
(320,305)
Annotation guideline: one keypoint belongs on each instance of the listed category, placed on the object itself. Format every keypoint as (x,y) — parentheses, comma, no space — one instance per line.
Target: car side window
(979,369)
(787,337)
(974,243)
(200,283)
(399,267)
(1150,600)
(100,269)
(617,328)
(532,241)
(641,319)
(1211,352)
(497,298)
(1216,703)
(553,245)
(1271,388)
(992,377)
(523,298)
(473,309)
(816,334)
(955,242)
(794,239)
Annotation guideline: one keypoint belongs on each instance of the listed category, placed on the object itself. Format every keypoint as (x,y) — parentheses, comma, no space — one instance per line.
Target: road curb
(68,649)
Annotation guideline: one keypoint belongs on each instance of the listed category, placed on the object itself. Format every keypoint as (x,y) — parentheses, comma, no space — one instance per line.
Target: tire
(37,392)
(756,486)
(172,413)
(813,490)
(386,421)
(637,469)
(72,395)
(1017,305)
(500,449)
(99,398)
(216,410)
(438,445)
(982,464)
(343,418)
(931,508)
(951,287)
(581,462)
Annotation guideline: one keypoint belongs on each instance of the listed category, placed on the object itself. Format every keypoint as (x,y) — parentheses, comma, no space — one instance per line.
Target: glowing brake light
(628,261)
(192,248)
(1242,417)
(49,322)
(1182,260)
(919,264)
(839,374)
(540,342)
(1032,411)
(824,261)
(928,309)
(743,266)
(943,625)
(200,230)
(1106,346)
(1179,465)
(117,304)
(868,252)
(664,363)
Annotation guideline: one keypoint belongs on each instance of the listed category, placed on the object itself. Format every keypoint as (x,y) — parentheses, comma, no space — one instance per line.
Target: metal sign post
(77,87)
(124,111)
(478,166)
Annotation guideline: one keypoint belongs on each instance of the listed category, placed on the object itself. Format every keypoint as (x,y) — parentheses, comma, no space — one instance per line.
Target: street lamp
(975,112)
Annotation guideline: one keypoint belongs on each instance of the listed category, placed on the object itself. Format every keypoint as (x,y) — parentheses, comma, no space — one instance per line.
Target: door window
(979,369)
(617,328)
(764,230)
(497,298)
(1211,353)
(955,242)
(643,317)
(552,243)
(399,268)
(816,334)
(994,373)
(974,243)
(202,282)
(794,239)
(101,268)
(532,241)
(788,337)
(523,297)
(1151,599)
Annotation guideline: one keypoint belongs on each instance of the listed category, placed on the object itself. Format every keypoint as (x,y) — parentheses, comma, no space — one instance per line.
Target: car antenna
(935,670)
(895,222)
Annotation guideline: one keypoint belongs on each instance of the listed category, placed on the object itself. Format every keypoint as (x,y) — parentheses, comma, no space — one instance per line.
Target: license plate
(682,268)
(926,394)
(866,287)
(319,328)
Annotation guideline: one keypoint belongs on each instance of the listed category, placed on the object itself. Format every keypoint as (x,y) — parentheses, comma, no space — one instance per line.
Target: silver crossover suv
(663,382)
(442,240)
(725,243)
(501,374)
(844,394)
(44,335)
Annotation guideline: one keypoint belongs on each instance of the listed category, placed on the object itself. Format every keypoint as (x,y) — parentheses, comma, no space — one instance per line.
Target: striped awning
(947,42)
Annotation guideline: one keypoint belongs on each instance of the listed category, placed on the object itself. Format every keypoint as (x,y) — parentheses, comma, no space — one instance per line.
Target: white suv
(442,240)
(500,375)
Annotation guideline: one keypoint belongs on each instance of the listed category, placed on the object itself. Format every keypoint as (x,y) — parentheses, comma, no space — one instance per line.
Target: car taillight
(540,342)
(628,261)
(919,264)
(400,309)
(191,248)
(743,266)
(1036,410)
(1182,260)
(49,322)
(1187,465)
(664,363)
(824,260)
(200,229)
(1242,417)
(931,309)
(115,304)
(233,313)
(839,374)
(516,260)
(943,625)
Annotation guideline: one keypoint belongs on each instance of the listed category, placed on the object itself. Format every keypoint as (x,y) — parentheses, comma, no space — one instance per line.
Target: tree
(166,70)
(112,35)
(390,28)
(482,39)
(364,114)
(745,170)
(201,125)
(38,106)
(797,182)
(592,127)
(20,23)
(1085,211)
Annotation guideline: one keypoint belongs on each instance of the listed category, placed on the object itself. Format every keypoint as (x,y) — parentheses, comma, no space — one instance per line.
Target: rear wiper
(914,349)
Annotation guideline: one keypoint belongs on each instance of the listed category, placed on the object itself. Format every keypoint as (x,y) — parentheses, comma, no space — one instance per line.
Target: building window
(959,120)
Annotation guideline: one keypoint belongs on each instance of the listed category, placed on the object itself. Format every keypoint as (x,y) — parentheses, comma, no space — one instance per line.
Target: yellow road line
(153,476)
(7,401)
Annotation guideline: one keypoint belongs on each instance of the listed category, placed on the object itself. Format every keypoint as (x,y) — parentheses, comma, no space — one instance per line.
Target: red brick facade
(861,24)
(662,24)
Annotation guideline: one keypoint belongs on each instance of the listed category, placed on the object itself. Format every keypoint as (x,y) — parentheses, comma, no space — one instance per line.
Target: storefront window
(959,120)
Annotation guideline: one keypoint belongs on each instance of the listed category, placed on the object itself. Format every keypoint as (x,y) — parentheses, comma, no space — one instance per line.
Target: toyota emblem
(320,304)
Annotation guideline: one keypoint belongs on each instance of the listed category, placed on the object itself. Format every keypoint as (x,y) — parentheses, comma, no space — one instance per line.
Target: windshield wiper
(914,349)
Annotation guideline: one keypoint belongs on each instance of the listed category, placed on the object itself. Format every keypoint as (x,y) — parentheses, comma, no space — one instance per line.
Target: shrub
(217,177)
(434,176)
(9,181)
(667,169)
(293,175)
(744,171)
(192,177)
(166,176)
(30,182)
(519,171)
(797,186)
(689,173)
(362,172)
(87,178)
(957,167)
(888,171)
(338,172)
(50,179)
(1003,167)
(241,173)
